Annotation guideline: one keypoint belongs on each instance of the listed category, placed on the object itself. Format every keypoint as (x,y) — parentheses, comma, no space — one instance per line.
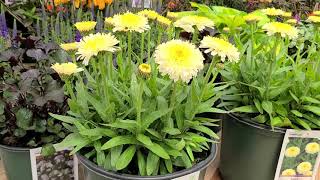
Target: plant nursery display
(138,114)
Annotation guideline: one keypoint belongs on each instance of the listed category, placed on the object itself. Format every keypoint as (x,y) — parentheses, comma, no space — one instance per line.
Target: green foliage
(29,91)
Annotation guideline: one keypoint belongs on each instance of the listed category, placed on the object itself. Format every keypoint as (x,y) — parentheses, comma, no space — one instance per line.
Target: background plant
(29,91)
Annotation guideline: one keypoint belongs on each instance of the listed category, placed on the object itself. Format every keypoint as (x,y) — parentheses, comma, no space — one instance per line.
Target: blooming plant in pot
(141,118)
(29,91)
(272,89)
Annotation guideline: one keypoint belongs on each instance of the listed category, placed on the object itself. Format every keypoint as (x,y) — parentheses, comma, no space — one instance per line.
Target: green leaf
(126,157)
(302,123)
(189,151)
(152,162)
(310,100)
(151,117)
(115,153)
(261,118)
(171,131)
(24,118)
(158,150)
(313,109)
(258,105)
(297,113)
(141,164)
(144,139)
(211,109)
(246,109)
(168,164)
(206,130)
(129,125)
(154,133)
(267,106)
(98,132)
(276,121)
(186,160)
(175,144)
(65,119)
(48,150)
(294,97)
(119,140)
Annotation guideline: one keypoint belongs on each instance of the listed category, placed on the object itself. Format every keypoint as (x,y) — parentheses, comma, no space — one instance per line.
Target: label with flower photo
(299,157)
(58,164)
(138,3)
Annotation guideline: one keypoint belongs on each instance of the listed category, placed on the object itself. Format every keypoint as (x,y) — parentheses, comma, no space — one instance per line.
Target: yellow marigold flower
(288,172)
(273,12)
(179,59)
(66,69)
(304,167)
(59,2)
(94,43)
(69,46)
(188,22)
(292,151)
(85,25)
(130,22)
(252,18)
(150,14)
(312,148)
(292,21)
(282,29)
(144,69)
(164,21)
(287,14)
(314,19)
(220,47)
(317,13)
(172,15)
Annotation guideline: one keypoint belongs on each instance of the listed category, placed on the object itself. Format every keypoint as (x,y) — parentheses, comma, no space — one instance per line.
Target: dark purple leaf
(37,54)
(32,74)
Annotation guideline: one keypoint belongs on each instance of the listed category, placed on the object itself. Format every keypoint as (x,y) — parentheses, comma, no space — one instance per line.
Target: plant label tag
(193,176)
(139,3)
(299,158)
(60,165)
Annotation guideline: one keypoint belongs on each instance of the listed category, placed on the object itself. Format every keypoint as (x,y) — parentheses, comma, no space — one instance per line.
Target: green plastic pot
(249,150)
(91,171)
(16,162)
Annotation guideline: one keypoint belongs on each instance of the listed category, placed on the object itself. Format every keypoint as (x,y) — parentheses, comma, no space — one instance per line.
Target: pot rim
(248,122)
(15,149)
(117,176)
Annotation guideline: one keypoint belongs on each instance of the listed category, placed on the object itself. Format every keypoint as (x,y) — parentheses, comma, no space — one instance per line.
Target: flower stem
(142,48)
(195,35)
(69,89)
(149,48)
(129,45)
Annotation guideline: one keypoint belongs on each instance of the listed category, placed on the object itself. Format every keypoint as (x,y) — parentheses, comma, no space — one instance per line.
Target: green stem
(159,35)
(129,45)
(149,48)
(142,48)
(139,106)
(69,89)
(172,104)
(195,35)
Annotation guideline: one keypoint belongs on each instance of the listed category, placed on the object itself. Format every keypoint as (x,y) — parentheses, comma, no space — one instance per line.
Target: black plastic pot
(249,151)
(16,162)
(93,172)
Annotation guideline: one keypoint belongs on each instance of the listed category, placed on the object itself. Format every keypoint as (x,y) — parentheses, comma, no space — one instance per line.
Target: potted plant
(274,87)
(29,91)
(140,116)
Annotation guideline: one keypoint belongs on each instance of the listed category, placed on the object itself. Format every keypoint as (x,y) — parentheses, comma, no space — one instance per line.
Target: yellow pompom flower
(85,25)
(220,47)
(94,43)
(144,69)
(287,14)
(164,21)
(312,148)
(66,69)
(292,21)
(308,173)
(150,14)
(288,172)
(179,59)
(172,15)
(69,46)
(130,22)
(314,19)
(273,12)
(252,18)
(285,30)
(317,13)
(188,22)
(292,151)
(304,167)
